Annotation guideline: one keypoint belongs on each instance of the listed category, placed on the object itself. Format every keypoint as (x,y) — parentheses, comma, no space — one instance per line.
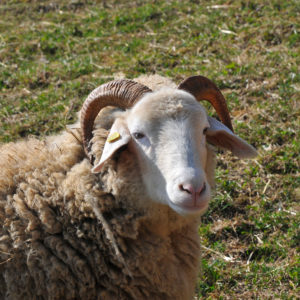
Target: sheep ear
(119,136)
(221,136)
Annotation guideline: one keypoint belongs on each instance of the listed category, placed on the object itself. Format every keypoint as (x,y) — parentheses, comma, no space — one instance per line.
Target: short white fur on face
(171,149)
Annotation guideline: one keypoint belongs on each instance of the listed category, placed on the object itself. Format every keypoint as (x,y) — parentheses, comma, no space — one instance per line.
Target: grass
(53,53)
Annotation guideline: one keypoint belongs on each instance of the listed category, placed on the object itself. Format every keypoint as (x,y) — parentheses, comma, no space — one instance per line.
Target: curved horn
(204,89)
(122,93)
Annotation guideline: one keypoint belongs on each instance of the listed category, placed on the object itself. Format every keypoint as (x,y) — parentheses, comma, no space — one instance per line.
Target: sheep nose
(191,189)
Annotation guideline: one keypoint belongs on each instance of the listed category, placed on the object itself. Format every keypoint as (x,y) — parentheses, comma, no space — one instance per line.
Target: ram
(110,210)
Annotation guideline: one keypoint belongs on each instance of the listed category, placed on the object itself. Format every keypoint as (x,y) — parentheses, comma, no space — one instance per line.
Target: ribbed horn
(122,93)
(204,89)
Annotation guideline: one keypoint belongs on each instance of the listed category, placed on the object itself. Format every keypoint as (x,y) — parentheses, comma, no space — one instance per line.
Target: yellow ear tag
(113,137)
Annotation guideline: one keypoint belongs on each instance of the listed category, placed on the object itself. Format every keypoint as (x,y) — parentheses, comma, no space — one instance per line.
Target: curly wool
(66,233)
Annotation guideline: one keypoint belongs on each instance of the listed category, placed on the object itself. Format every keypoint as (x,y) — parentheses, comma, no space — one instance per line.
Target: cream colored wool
(66,233)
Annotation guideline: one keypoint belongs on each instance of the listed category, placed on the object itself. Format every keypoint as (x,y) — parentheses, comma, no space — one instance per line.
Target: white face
(171,149)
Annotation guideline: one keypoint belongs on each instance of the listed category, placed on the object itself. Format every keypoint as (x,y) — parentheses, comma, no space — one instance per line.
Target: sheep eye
(138,135)
(205,130)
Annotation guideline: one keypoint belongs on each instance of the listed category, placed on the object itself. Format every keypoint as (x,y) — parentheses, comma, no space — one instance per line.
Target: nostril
(188,188)
(202,189)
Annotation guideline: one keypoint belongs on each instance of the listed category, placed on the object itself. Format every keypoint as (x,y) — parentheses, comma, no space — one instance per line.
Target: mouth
(190,207)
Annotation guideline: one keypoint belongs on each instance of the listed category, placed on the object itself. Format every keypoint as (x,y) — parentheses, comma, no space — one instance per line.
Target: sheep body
(53,246)
(69,234)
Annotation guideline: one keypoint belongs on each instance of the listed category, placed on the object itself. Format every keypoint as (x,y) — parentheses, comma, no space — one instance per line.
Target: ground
(53,53)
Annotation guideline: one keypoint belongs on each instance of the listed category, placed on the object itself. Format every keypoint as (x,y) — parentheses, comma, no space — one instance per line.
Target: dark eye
(138,135)
(205,130)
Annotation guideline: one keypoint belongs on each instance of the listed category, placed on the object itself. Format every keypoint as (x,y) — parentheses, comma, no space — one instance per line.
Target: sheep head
(167,131)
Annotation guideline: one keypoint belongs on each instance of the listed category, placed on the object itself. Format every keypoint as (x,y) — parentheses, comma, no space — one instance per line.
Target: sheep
(109,208)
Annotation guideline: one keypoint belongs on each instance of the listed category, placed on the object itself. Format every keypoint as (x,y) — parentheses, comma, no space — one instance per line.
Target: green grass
(53,53)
